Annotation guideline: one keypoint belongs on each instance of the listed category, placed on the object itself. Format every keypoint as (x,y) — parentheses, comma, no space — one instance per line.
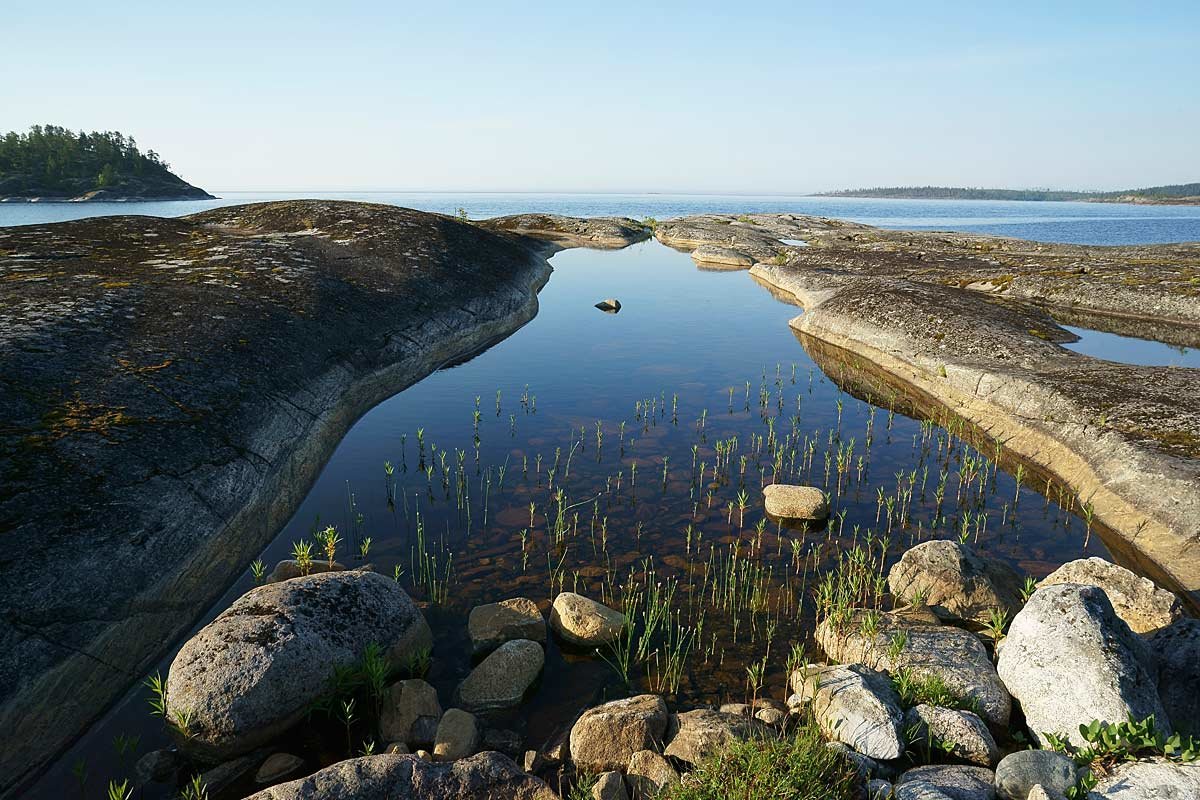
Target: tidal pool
(623,455)
(1131,350)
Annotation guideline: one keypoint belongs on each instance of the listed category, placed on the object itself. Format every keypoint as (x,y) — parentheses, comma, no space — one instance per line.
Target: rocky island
(171,387)
(53,164)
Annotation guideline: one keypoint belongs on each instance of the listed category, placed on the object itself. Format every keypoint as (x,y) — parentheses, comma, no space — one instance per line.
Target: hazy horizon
(675,99)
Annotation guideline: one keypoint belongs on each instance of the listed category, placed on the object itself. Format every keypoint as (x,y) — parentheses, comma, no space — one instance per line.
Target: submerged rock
(956,582)
(1069,659)
(491,625)
(795,502)
(582,621)
(256,669)
(1137,600)
(502,679)
(278,766)
(486,776)
(607,736)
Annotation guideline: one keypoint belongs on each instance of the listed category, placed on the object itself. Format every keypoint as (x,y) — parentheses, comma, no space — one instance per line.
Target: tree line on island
(1179,193)
(53,163)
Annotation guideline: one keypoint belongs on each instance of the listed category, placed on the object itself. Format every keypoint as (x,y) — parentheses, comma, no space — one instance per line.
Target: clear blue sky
(725,97)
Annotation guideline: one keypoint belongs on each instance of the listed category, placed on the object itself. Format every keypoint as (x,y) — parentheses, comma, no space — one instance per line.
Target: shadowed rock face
(169,388)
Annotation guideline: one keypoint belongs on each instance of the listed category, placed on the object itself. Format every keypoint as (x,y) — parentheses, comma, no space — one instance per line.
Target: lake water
(1130,350)
(597,452)
(1080,223)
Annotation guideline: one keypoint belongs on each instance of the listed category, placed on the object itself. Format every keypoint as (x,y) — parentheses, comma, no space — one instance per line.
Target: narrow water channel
(591,446)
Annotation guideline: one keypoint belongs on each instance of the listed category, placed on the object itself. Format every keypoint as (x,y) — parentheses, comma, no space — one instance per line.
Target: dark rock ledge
(965,322)
(170,388)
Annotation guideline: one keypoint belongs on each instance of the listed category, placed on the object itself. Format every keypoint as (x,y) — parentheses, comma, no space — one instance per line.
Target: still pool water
(1079,223)
(617,453)
(1131,350)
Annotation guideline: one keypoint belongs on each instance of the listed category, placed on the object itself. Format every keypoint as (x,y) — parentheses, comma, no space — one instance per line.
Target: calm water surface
(1131,350)
(700,393)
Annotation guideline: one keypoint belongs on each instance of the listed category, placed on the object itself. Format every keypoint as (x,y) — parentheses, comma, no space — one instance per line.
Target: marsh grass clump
(799,766)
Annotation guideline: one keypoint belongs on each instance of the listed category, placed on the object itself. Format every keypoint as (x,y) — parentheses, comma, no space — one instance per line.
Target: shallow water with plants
(623,456)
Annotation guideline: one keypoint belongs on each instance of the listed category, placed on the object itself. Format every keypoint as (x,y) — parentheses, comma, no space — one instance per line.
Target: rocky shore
(1080,685)
(965,324)
(170,390)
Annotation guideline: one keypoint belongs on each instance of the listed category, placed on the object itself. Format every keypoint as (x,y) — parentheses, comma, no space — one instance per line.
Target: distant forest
(1189,191)
(50,161)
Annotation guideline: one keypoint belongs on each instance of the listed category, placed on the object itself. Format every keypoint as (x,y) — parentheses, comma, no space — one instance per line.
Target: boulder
(1039,792)
(605,737)
(1069,659)
(287,569)
(959,734)
(502,679)
(918,790)
(715,254)
(649,774)
(795,502)
(158,766)
(256,669)
(581,621)
(855,705)
(955,656)
(1177,650)
(491,625)
(1157,779)
(703,732)
(1137,600)
(485,776)
(1017,773)
(410,713)
(457,736)
(277,767)
(955,781)
(397,749)
(955,582)
(878,789)
(868,768)
(503,740)
(609,786)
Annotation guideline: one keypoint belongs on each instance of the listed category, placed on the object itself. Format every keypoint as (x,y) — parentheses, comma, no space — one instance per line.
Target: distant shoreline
(1184,194)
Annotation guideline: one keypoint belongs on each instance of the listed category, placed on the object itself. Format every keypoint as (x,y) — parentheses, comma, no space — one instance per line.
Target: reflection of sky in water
(681,331)
(1130,350)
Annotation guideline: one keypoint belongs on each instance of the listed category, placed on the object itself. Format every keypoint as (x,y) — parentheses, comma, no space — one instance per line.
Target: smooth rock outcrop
(584,622)
(485,776)
(959,734)
(502,679)
(1017,773)
(605,737)
(1137,600)
(457,736)
(1177,650)
(1157,779)
(715,254)
(1069,659)
(795,502)
(855,705)
(955,582)
(955,656)
(702,732)
(410,713)
(649,774)
(255,670)
(491,625)
(958,782)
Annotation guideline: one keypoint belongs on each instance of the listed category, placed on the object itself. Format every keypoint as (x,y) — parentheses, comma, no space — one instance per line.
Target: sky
(764,97)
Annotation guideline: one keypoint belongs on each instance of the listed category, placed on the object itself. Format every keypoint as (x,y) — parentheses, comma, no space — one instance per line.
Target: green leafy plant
(930,689)
(1111,743)
(119,791)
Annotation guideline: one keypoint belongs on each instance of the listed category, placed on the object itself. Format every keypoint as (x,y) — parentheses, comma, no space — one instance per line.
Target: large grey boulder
(493,624)
(795,502)
(1158,779)
(959,734)
(1017,773)
(955,781)
(1069,659)
(1177,649)
(256,669)
(582,621)
(855,705)
(955,656)
(955,582)
(605,737)
(502,679)
(410,713)
(1137,600)
(702,732)
(486,776)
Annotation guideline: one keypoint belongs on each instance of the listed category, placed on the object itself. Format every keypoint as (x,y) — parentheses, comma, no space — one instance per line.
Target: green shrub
(796,767)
